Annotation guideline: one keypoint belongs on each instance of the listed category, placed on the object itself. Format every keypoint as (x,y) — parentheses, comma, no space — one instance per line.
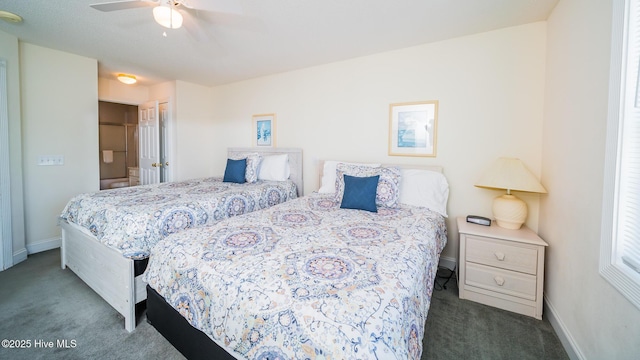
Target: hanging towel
(107,156)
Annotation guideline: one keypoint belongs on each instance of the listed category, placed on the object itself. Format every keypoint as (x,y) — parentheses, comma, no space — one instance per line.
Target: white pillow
(274,167)
(424,188)
(328,182)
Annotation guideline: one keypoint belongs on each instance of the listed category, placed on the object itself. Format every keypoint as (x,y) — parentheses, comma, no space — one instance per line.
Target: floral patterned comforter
(306,280)
(132,220)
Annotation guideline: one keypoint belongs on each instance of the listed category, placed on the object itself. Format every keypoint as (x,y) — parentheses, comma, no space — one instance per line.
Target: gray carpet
(462,329)
(41,303)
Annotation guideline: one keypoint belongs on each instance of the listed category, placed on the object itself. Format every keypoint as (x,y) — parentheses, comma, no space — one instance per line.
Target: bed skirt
(191,342)
(139,266)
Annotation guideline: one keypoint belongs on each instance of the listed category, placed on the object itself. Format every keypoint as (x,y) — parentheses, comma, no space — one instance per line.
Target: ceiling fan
(169,13)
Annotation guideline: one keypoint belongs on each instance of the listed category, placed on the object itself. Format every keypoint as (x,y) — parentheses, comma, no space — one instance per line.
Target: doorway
(118,144)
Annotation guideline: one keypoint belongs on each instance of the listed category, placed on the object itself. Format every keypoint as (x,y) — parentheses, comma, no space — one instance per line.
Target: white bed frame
(110,274)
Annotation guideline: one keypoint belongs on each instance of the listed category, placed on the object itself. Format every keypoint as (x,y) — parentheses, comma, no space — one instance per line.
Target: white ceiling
(270,36)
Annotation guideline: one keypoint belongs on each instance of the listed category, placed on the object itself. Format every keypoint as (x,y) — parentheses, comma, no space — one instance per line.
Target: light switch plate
(51,160)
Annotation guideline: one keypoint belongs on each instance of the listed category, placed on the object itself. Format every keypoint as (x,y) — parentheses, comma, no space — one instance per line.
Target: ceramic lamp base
(509,211)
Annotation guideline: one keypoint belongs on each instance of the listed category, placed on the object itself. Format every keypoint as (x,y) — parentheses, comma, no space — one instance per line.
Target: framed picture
(412,128)
(264,130)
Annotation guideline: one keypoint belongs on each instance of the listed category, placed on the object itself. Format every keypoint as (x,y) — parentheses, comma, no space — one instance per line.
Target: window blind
(628,241)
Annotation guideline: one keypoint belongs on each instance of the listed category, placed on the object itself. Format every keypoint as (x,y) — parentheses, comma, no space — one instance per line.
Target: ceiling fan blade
(122,5)
(193,27)
(224,6)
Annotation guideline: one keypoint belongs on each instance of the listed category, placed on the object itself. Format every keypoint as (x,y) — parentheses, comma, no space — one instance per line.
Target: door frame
(171,139)
(167,142)
(6,233)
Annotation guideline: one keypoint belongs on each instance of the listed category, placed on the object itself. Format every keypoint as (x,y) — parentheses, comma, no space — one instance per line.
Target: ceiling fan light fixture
(127,79)
(167,16)
(10,17)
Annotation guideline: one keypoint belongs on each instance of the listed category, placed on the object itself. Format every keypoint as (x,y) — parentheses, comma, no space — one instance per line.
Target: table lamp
(510,174)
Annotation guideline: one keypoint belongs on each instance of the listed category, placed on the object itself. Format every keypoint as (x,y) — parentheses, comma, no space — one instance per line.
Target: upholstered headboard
(295,160)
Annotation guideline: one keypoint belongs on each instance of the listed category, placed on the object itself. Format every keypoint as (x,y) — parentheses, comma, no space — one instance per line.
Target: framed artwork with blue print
(412,128)
(264,130)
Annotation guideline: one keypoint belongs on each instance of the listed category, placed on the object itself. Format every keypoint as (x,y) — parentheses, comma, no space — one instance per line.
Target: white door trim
(166,141)
(6,235)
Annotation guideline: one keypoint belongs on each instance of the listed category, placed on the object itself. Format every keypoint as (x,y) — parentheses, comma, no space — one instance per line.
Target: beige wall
(10,52)
(59,94)
(115,91)
(598,321)
(490,92)
(195,133)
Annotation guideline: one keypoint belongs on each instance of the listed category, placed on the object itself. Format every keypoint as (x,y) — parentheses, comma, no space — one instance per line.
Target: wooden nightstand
(501,267)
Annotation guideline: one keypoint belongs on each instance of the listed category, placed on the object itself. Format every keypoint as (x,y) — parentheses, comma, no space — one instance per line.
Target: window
(620,246)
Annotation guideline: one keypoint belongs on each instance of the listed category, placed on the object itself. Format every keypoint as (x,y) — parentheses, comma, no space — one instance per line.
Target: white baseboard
(568,342)
(448,262)
(44,245)
(19,256)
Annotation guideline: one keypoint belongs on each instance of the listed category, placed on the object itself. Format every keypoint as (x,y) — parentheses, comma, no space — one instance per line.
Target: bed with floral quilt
(108,235)
(131,220)
(307,279)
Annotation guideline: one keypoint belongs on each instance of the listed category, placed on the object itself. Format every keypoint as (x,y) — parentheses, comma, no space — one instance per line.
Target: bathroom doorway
(118,144)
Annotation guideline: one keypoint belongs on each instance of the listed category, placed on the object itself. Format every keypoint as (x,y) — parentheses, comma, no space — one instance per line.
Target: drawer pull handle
(499,280)
(499,256)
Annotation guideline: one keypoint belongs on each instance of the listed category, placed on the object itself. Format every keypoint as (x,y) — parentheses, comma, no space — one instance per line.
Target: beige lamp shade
(510,174)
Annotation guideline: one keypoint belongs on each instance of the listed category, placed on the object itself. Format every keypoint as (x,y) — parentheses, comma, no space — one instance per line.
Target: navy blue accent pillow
(360,193)
(235,171)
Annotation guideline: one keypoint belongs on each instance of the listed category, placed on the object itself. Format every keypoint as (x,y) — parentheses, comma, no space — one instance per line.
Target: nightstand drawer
(502,254)
(501,281)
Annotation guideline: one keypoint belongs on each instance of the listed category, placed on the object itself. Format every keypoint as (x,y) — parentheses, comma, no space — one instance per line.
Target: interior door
(149,144)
